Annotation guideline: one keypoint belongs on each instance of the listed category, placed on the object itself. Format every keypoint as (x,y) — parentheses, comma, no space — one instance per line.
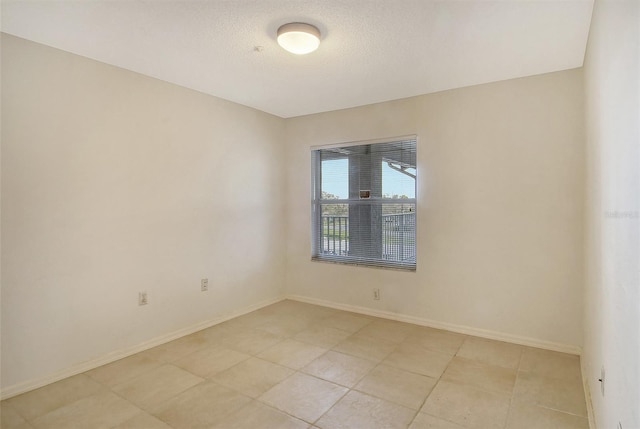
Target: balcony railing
(398,236)
(335,235)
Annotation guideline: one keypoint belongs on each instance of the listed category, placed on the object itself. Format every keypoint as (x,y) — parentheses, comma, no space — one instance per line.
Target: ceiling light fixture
(299,38)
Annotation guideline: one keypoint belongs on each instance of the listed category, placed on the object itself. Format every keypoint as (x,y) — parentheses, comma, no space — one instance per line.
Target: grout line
(315,322)
(450,327)
(513,390)
(437,382)
(331,407)
(83,367)
(560,411)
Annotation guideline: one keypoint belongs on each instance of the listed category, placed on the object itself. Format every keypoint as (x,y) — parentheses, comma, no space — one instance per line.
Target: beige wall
(500,198)
(612,294)
(115,183)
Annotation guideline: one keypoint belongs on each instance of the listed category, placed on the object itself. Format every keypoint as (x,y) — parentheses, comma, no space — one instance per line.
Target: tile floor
(296,365)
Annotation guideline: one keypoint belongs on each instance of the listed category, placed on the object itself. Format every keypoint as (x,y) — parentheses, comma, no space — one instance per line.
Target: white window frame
(318,251)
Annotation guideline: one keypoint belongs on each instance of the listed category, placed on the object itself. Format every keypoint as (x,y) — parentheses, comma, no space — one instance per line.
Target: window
(364,203)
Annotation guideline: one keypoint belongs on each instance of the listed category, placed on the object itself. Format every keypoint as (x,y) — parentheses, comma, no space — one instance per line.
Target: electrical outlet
(143,299)
(204,285)
(376,294)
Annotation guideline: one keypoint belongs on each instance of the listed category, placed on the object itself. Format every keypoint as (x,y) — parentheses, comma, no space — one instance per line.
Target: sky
(335,176)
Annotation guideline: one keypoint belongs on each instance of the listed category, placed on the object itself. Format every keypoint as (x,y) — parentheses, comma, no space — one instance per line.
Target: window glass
(364,205)
(335,179)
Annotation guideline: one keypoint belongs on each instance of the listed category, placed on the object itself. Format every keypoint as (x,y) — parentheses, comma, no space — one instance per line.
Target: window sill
(366,264)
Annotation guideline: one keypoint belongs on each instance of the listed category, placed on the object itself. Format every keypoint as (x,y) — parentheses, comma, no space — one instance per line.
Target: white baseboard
(483,333)
(26,386)
(587,396)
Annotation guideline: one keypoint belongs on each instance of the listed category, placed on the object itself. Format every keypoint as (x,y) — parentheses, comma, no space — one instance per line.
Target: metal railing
(398,236)
(335,235)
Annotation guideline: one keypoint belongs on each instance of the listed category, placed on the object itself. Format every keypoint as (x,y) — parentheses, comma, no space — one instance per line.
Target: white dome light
(299,38)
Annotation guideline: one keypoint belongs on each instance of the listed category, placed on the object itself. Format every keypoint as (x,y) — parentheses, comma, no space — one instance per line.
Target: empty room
(322,214)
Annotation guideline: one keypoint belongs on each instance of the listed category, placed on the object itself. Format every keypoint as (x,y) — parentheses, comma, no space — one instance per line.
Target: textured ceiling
(371,50)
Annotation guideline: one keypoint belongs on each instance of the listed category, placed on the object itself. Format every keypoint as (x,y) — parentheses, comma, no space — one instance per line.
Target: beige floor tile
(45,399)
(123,369)
(156,386)
(551,364)
(211,360)
(388,330)
(15,425)
(292,354)
(303,309)
(315,313)
(321,336)
(346,321)
(419,360)
(395,385)
(561,395)
(425,421)
(491,352)
(285,325)
(365,347)
(201,406)
(339,368)
(524,416)
(177,349)
(103,410)
(143,421)
(358,410)
(436,340)
(486,377)
(253,376)
(286,306)
(250,341)
(249,321)
(215,334)
(297,308)
(258,415)
(11,419)
(467,406)
(260,316)
(303,396)
(242,373)
(253,320)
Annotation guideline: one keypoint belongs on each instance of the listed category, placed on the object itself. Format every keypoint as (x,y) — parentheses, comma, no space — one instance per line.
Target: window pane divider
(370,200)
(364,212)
